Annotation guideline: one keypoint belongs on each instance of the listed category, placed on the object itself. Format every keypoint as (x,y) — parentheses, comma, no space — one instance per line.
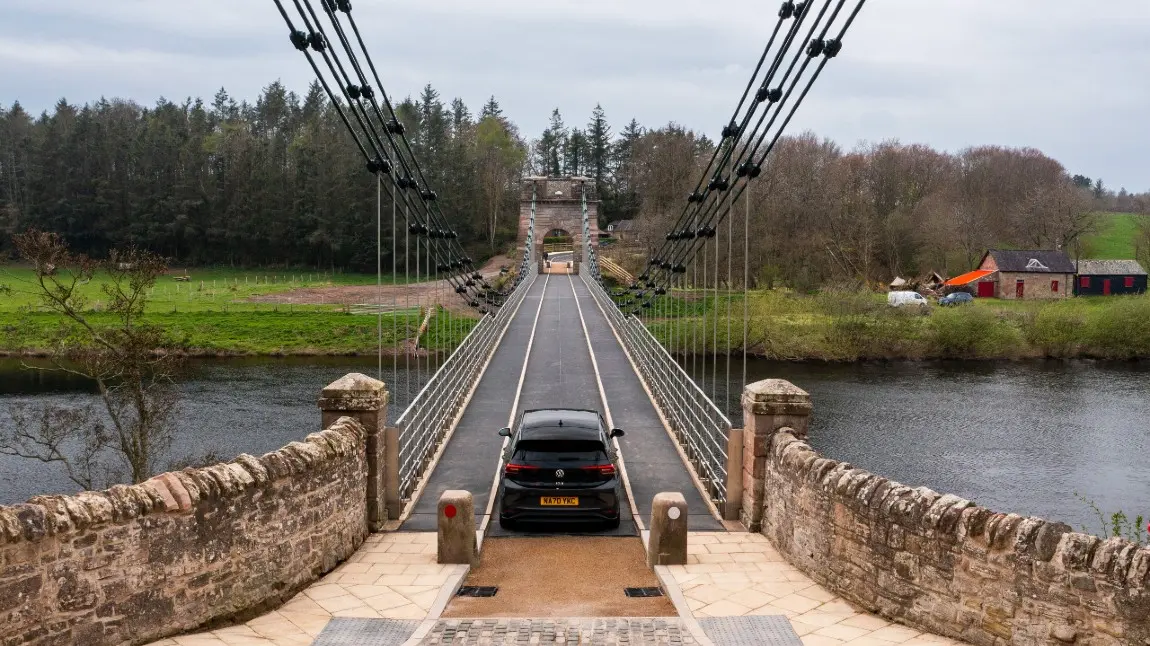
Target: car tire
(507,524)
(613,523)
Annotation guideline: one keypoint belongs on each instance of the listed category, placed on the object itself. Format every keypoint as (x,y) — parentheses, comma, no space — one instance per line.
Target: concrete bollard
(667,543)
(456,540)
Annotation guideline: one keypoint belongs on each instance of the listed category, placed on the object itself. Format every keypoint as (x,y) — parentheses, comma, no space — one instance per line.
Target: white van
(899,299)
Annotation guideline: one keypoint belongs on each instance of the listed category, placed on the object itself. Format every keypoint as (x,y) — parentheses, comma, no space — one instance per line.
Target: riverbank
(234,314)
(270,333)
(851,326)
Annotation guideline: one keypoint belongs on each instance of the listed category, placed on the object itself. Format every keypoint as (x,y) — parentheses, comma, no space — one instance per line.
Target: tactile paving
(765,630)
(346,631)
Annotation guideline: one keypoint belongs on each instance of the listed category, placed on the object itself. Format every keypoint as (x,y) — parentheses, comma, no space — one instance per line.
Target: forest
(278,182)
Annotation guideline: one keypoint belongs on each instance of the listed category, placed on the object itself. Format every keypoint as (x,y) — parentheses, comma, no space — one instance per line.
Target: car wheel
(507,523)
(613,523)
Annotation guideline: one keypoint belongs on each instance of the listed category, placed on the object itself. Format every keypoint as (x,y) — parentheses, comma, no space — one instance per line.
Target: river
(1012,436)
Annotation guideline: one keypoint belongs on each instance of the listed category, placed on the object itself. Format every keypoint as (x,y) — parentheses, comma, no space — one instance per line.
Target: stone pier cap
(775,397)
(354,391)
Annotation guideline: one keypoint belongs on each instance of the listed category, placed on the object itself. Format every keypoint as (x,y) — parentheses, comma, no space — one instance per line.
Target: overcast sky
(1069,78)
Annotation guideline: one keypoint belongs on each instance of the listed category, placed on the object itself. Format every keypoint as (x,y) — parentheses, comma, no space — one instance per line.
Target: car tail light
(513,469)
(603,469)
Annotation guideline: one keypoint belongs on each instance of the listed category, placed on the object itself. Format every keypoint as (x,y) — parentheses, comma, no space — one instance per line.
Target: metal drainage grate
(643,592)
(343,631)
(767,630)
(477,591)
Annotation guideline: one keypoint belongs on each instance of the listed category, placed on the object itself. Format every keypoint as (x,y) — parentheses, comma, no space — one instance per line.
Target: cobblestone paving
(497,632)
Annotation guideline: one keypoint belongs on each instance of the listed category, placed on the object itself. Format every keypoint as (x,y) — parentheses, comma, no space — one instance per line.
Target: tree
(598,152)
(129,360)
(550,150)
(500,156)
(491,109)
(1099,189)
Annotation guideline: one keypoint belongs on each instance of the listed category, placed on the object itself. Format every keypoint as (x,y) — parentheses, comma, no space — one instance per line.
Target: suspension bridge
(561,330)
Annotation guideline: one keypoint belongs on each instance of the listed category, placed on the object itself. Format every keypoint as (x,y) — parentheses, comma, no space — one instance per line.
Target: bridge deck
(559,373)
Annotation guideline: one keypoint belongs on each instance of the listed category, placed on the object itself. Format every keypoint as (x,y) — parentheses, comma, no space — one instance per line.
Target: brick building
(1028,274)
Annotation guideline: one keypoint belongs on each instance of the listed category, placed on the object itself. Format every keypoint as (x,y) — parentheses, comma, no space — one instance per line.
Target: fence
(700,428)
(426,420)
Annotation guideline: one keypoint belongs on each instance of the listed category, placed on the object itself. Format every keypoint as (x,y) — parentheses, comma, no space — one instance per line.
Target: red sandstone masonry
(942,564)
(133,564)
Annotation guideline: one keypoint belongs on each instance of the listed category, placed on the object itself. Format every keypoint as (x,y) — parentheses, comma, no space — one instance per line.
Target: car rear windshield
(530,451)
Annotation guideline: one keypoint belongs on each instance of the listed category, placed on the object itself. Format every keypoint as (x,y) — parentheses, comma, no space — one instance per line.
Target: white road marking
(514,408)
(410,507)
(607,411)
(662,418)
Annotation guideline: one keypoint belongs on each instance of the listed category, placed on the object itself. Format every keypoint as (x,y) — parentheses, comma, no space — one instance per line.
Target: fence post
(768,405)
(364,398)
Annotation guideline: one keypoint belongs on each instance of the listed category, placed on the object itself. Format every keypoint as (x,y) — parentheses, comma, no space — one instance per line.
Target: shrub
(970,332)
(1055,329)
(1119,329)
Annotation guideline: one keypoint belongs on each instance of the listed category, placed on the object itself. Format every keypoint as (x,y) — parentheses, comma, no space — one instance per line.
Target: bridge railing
(699,426)
(425,422)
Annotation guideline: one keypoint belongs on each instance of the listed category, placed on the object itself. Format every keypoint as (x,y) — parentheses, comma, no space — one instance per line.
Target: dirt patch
(571,576)
(423,294)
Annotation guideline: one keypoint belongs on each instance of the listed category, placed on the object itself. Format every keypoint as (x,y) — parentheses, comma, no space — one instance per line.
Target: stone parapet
(183,550)
(945,565)
(769,406)
(365,399)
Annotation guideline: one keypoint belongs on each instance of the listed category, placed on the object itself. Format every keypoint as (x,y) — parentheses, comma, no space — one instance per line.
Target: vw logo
(559,474)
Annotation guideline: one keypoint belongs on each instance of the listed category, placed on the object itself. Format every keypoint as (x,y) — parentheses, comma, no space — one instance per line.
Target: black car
(560,466)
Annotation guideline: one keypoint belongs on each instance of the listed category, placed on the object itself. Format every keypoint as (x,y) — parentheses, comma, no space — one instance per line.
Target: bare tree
(1057,215)
(130,361)
(1142,241)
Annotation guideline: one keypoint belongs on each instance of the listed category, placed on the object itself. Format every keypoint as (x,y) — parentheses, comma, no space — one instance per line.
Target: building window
(1129,282)
(1084,281)
(1054,286)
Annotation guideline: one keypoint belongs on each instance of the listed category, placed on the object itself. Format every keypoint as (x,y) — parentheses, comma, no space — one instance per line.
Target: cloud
(1057,75)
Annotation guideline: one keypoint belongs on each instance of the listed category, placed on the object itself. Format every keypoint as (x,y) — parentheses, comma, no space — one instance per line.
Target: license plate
(551,501)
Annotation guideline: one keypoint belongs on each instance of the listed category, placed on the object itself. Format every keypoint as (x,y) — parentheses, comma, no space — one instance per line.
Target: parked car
(902,299)
(957,298)
(560,466)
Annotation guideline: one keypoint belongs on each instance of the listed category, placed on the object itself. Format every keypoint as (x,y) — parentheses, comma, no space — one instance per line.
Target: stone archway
(558,206)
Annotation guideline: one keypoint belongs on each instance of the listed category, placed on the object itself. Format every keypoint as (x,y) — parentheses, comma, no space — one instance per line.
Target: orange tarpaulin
(969,277)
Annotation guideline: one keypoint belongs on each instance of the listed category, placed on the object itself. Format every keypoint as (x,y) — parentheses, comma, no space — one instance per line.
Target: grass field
(208,290)
(1115,237)
(845,326)
(210,315)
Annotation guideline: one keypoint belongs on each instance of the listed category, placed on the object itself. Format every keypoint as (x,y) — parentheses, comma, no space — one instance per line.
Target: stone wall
(1035,285)
(183,550)
(558,205)
(945,565)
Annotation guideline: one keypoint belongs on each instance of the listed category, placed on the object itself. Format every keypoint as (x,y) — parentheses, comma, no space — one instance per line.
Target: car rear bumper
(520,502)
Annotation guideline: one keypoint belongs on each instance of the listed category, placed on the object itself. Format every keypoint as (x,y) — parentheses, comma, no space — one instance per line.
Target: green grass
(848,326)
(1114,239)
(209,290)
(211,315)
(264,333)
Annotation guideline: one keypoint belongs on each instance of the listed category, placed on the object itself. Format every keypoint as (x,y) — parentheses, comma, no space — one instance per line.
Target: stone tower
(558,205)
